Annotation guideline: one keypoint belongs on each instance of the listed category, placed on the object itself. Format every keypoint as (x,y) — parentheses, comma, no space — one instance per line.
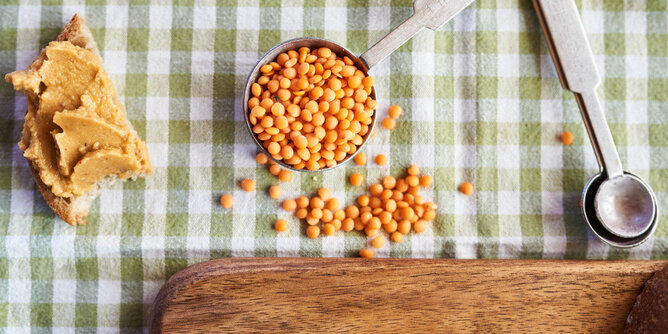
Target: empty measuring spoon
(619,207)
(426,14)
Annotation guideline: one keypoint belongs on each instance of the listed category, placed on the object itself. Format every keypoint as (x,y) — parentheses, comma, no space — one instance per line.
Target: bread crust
(76,32)
(60,206)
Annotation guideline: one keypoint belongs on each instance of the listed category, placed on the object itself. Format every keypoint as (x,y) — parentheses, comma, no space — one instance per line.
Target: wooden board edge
(225,266)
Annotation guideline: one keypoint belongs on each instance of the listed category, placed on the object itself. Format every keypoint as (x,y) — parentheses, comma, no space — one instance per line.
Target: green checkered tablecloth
(482,104)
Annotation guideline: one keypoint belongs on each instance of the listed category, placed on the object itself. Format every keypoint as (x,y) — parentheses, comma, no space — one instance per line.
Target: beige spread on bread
(75,134)
(76,137)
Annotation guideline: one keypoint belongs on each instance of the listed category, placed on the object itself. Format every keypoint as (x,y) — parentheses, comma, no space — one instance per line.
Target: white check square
(115,61)
(423,63)
(638,158)
(636,112)
(244,156)
(201,108)
(18,246)
(158,154)
(508,156)
(155,201)
(64,291)
(63,246)
(551,111)
(508,65)
(111,201)
(29,17)
(109,292)
(507,20)
(636,66)
(202,62)
(508,110)
(635,22)
(551,157)
(22,201)
(380,18)
(199,202)
(292,18)
(336,18)
(152,245)
(552,203)
(509,203)
(422,110)
(465,156)
(206,17)
(593,21)
(158,62)
(248,18)
(464,110)
(244,62)
(423,155)
(160,17)
(117,17)
(109,246)
(243,246)
(464,65)
(157,108)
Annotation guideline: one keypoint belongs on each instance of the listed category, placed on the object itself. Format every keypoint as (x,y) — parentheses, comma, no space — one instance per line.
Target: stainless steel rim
(293,44)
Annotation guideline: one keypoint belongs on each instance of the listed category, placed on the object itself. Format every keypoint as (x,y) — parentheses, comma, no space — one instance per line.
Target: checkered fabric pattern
(482,104)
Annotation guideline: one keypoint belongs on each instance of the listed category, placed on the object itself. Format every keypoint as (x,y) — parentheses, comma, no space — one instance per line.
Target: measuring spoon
(426,14)
(619,207)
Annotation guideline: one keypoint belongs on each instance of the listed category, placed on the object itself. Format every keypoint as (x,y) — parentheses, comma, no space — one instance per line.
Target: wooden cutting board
(400,295)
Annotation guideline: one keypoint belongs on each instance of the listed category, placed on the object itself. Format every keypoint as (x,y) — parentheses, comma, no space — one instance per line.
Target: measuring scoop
(619,207)
(426,14)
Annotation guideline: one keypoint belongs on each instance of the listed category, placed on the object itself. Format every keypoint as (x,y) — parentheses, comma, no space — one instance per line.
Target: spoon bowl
(627,233)
(624,206)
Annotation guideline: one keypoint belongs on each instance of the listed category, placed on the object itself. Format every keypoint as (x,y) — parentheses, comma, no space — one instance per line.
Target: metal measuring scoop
(426,14)
(619,207)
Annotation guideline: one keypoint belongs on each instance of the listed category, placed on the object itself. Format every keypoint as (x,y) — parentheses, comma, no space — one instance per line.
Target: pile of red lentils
(394,205)
(311,108)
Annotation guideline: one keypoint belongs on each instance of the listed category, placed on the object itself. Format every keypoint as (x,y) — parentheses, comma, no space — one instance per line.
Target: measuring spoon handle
(426,14)
(575,65)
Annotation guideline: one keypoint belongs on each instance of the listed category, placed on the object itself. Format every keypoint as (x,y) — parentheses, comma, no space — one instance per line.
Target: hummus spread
(76,133)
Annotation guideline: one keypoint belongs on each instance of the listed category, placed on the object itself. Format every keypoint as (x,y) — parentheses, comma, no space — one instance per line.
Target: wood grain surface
(400,295)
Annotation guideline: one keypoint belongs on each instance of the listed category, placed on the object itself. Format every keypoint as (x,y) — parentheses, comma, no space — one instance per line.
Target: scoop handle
(575,65)
(426,14)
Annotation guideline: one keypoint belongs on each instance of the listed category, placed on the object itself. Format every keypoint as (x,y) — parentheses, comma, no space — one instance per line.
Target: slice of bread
(74,210)
(650,311)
